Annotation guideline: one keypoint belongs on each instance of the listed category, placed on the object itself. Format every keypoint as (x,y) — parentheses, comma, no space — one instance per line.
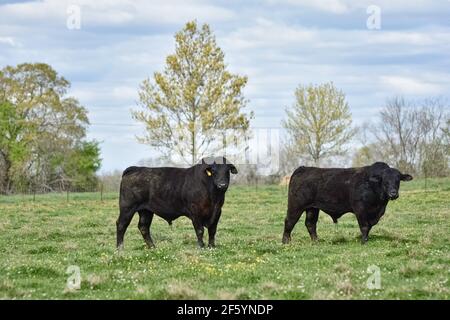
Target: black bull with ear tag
(197,192)
(364,191)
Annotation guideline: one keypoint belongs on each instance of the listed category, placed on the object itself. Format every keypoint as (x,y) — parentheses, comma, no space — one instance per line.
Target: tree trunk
(316,162)
(193,135)
(4,176)
(193,148)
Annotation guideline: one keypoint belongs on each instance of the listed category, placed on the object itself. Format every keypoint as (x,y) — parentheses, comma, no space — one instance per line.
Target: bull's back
(155,185)
(325,188)
(325,177)
(302,185)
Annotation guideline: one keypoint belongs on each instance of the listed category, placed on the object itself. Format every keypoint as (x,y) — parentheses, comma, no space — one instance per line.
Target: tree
(194,97)
(363,156)
(288,159)
(39,125)
(433,152)
(398,130)
(12,143)
(446,135)
(370,153)
(435,160)
(412,132)
(82,164)
(319,122)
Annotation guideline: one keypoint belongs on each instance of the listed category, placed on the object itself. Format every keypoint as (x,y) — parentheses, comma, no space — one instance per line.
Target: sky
(278,44)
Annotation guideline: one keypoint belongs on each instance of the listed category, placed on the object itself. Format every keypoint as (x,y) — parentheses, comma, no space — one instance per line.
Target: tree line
(195,93)
(43,145)
(43,142)
(412,135)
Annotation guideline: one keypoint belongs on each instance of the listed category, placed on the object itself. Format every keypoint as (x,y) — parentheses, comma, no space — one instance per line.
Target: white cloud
(410,86)
(410,37)
(268,33)
(400,6)
(332,6)
(9,41)
(115,12)
(32,11)
(273,34)
(125,92)
(346,6)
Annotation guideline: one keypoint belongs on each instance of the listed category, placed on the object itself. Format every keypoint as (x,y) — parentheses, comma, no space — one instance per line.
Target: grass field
(40,239)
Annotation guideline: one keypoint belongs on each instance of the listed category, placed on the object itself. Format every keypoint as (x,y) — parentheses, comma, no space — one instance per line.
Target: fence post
(101,192)
(67,195)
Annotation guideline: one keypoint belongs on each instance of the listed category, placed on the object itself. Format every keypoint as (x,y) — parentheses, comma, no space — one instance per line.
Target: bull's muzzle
(393,195)
(222,186)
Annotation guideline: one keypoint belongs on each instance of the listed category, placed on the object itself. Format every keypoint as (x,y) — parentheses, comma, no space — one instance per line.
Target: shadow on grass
(372,238)
(391,238)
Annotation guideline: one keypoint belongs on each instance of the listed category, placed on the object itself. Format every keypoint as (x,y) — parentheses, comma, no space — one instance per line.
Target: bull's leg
(212,230)
(126,214)
(365,227)
(293,214)
(212,235)
(199,230)
(145,220)
(312,215)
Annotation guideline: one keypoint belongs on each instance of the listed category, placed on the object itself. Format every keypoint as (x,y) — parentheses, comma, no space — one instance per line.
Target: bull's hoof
(201,245)
(211,246)
(286,240)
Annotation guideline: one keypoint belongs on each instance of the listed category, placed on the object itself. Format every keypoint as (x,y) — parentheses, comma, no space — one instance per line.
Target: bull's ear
(232,168)
(406,177)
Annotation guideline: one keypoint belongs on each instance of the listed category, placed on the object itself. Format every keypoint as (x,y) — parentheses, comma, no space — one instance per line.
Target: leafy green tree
(370,153)
(194,96)
(363,157)
(41,124)
(82,165)
(319,123)
(12,143)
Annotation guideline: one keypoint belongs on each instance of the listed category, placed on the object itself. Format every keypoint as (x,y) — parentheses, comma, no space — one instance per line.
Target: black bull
(197,192)
(363,191)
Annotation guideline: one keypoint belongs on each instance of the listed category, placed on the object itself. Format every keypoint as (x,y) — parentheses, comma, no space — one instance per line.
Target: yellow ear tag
(208,173)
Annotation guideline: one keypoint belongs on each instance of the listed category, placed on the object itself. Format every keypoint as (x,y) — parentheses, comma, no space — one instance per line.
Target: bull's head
(388,179)
(218,169)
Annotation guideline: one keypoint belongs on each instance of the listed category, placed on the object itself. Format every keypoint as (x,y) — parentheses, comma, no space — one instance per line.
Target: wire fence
(109,189)
(103,191)
(98,190)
